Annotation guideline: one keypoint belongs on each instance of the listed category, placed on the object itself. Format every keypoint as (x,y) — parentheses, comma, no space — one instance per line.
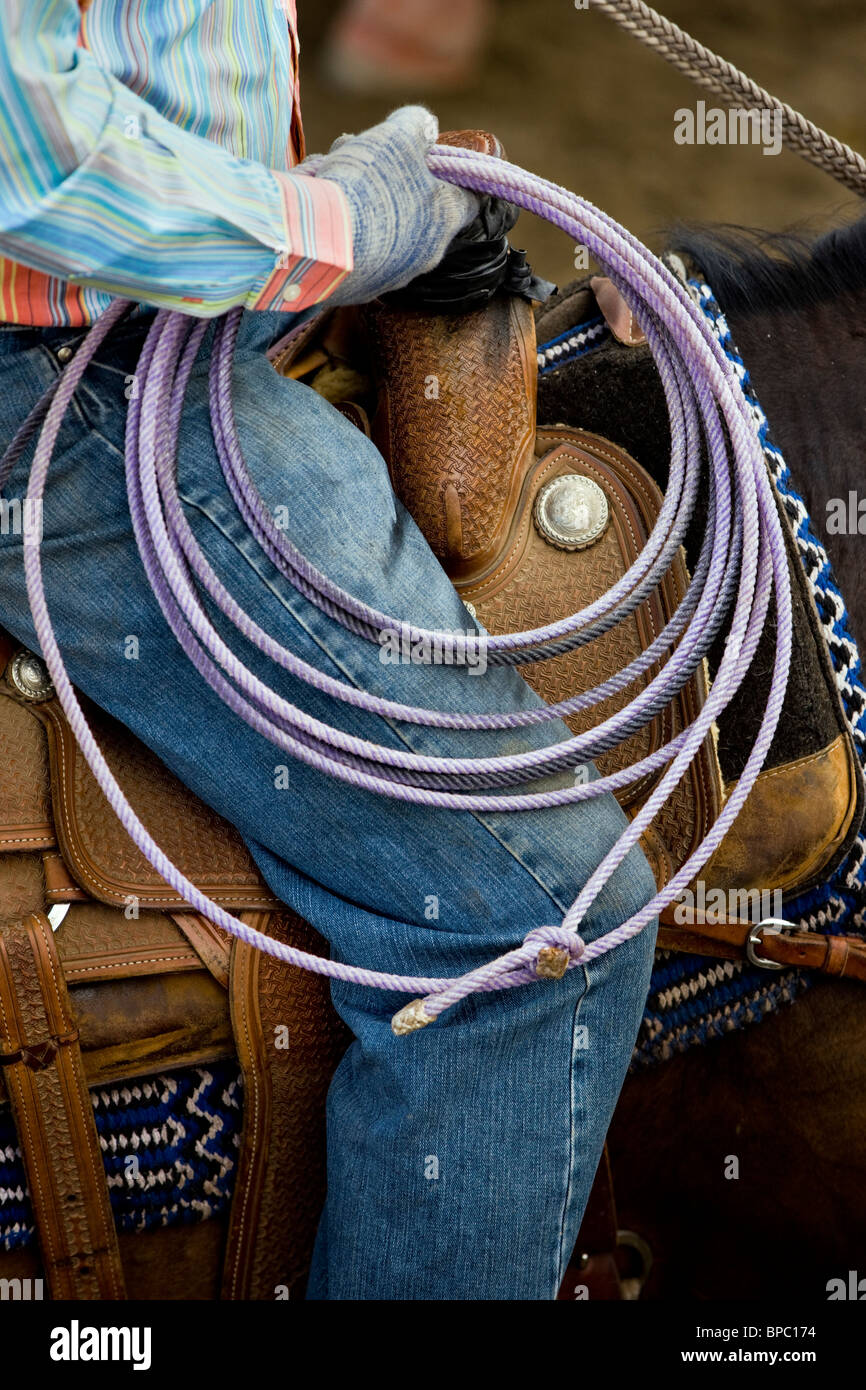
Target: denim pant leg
(460,1157)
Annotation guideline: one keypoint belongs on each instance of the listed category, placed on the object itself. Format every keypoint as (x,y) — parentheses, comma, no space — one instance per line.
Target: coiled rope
(742,563)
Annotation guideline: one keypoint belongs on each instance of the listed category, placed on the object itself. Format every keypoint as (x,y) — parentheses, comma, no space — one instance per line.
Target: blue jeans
(459,1157)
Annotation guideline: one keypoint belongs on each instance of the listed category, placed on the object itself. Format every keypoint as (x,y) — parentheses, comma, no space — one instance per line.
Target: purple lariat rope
(742,564)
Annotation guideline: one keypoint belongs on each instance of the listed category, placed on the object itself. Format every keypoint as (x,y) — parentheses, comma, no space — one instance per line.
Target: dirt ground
(577,100)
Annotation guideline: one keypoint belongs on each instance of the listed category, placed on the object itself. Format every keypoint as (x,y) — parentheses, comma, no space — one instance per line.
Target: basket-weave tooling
(467,461)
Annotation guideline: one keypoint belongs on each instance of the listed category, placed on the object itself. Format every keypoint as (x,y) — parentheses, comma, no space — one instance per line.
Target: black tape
(478,262)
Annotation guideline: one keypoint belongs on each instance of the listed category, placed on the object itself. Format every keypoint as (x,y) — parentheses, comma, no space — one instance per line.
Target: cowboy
(152,149)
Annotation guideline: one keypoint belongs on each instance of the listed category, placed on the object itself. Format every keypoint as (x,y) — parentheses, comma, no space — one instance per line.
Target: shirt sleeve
(98,188)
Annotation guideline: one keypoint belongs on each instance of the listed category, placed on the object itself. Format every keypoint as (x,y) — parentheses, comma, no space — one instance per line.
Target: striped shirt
(145,151)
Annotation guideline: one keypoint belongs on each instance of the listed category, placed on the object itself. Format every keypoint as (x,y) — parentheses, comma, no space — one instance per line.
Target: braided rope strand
(731,85)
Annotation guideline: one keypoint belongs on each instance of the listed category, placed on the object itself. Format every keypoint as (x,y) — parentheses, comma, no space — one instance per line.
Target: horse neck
(808,370)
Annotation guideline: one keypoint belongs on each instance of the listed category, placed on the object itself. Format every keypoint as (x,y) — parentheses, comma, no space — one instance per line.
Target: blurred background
(577,100)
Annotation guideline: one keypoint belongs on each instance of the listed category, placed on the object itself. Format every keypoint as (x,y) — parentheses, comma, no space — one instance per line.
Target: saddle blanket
(169,1145)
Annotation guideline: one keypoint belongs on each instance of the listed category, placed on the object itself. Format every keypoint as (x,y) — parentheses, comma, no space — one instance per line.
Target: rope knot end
(410,1017)
(561,946)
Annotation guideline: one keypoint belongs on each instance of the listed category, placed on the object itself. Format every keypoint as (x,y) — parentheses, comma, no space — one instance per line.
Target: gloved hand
(403,219)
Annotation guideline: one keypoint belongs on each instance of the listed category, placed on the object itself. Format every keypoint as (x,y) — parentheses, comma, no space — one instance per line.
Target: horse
(742,1162)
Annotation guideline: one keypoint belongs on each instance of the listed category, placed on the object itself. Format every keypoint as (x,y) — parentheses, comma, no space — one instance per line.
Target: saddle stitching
(14,1079)
(73,969)
(256,1077)
(79,1092)
(65,771)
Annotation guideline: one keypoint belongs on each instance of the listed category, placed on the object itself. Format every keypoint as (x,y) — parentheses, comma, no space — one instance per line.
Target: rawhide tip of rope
(552,962)
(410,1018)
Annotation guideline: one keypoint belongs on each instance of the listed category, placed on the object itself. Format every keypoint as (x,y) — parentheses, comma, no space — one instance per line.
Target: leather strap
(41,1059)
(619,317)
(210,943)
(288,1042)
(599,1226)
(594,1262)
(842,956)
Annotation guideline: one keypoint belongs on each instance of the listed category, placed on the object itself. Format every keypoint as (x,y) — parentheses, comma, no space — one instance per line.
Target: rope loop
(716,455)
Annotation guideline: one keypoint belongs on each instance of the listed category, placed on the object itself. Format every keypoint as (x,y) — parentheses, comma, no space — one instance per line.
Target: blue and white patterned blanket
(169,1144)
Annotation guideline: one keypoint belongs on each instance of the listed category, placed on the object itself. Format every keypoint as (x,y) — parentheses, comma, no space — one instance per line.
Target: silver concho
(571,512)
(29,675)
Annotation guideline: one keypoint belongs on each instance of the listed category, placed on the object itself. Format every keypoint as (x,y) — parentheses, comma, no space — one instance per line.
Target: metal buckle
(632,1284)
(772,926)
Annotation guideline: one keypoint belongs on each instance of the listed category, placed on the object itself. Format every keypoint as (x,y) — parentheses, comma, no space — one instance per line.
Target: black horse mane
(748,268)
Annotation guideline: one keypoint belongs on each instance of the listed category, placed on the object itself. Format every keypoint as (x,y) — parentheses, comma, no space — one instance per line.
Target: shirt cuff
(317,226)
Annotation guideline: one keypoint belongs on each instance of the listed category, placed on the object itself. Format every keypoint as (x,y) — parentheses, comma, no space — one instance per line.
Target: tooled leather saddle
(530,523)
(131,983)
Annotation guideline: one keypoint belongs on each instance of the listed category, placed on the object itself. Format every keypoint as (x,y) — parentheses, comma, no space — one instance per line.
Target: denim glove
(403,219)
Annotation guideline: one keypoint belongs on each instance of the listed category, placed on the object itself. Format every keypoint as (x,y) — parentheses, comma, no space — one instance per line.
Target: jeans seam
(562,1255)
(477,816)
(94,429)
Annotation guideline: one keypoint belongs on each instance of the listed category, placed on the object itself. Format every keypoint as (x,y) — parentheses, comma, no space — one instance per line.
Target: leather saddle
(130,983)
(452,402)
